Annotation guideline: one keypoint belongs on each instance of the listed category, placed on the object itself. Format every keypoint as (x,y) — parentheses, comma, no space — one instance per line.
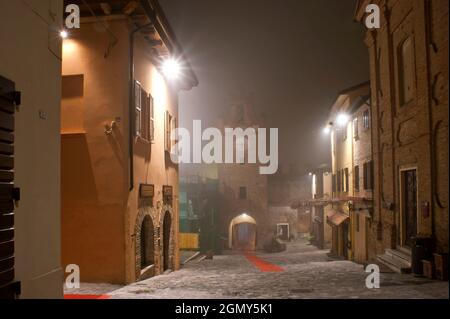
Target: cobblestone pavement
(308,273)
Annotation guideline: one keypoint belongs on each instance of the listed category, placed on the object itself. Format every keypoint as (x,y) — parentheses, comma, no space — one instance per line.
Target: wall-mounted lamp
(342,119)
(63,34)
(171,68)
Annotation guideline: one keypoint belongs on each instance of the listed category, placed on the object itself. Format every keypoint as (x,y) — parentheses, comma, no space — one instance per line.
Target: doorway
(283,231)
(242,233)
(408,207)
(147,243)
(345,240)
(167,226)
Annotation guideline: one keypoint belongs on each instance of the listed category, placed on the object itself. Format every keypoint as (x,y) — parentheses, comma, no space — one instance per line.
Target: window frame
(366,119)
(243,192)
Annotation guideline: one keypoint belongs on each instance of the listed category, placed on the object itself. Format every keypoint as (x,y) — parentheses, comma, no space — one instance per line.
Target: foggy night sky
(293,55)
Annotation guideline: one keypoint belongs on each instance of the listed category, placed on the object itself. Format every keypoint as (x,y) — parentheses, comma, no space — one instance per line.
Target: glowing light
(171,68)
(342,119)
(327,130)
(63,34)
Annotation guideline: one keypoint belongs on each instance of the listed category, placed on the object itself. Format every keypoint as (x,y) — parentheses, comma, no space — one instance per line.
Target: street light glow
(342,119)
(327,130)
(63,34)
(171,68)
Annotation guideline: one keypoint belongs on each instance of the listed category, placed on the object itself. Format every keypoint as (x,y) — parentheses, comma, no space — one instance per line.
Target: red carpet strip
(262,265)
(86,297)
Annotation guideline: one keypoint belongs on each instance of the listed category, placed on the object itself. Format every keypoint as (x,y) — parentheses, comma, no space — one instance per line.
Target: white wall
(30,56)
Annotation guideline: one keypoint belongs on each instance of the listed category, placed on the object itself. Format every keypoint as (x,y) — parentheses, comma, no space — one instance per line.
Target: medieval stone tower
(243,190)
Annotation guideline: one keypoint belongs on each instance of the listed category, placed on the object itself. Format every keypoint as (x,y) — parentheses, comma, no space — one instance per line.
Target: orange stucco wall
(99,212)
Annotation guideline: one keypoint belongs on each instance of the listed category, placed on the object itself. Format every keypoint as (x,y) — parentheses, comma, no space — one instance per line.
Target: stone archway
(242,233)
(144,245)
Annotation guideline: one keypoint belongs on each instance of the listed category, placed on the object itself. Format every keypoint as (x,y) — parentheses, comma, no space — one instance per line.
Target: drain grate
(301,291)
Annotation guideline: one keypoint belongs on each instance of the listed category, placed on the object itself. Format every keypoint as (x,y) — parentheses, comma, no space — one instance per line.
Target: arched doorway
(167,226)
(242,233)
(147,243)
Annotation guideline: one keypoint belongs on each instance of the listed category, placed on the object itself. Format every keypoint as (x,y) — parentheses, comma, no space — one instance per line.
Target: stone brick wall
(412,134)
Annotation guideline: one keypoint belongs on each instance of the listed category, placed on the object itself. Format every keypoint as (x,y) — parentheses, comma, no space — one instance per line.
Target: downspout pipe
(131,104)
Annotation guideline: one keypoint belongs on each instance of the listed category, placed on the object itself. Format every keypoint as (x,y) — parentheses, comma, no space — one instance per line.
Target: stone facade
(350,215)
(284,189)
(243,190)
(409,79)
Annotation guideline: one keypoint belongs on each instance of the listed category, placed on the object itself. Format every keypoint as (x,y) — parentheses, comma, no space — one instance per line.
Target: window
(346,181)
(366,119)
(243,192)
(144,113)
(368,175)
(170,124)
(355,128)
(138,107)
(406,71)
(152,119)
(339,181)
(356,178)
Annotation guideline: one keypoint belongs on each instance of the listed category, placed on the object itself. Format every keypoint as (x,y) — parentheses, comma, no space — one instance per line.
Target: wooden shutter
(356,178)
(145,116)
(137,108)
(152,119)
(9,98)
(346,181)
(167,127)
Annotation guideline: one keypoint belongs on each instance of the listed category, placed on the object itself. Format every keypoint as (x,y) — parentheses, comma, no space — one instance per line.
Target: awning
(335,218)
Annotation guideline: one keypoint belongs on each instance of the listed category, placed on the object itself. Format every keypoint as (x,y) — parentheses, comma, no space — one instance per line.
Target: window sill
(139,139)
(73,133)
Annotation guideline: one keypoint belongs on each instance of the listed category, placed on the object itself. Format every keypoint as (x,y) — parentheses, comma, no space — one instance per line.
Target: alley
(305,273)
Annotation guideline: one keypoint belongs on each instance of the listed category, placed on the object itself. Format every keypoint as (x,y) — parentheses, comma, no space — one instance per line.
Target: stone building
(30,81)
(119,186)
(284,188)
(321,187)
(243,190)
(352,180)
(409,93)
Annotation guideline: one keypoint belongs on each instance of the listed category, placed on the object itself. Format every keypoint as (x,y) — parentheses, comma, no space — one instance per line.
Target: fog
(293,56)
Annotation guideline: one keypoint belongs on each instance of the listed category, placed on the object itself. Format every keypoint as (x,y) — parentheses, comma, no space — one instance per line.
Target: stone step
(402,256)
(396,264)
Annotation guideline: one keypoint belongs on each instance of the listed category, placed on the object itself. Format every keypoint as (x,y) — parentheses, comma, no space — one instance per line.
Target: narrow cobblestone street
(306,273)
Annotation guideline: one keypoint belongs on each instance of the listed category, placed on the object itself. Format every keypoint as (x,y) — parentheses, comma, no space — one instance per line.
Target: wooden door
(409,207)
(9,98)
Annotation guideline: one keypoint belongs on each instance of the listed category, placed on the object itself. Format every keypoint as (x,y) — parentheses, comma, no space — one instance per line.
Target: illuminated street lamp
(327,130)
(171,68)
(342,119)
(64,34)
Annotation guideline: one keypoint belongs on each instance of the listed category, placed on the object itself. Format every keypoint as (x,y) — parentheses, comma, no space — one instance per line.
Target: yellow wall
(99,219)
(188,241)
(30,56)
